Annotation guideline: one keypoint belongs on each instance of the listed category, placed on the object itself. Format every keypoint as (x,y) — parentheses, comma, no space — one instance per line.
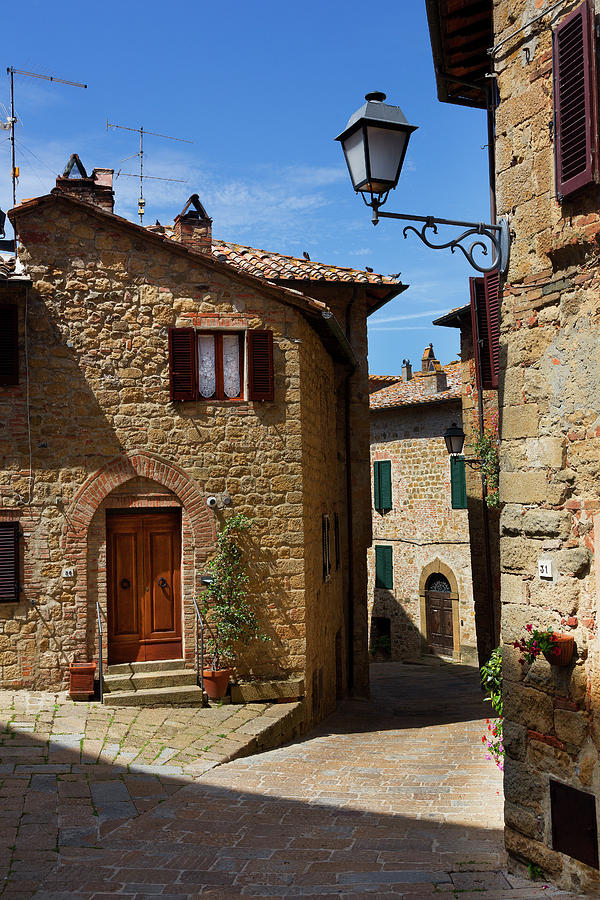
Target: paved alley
(388,798)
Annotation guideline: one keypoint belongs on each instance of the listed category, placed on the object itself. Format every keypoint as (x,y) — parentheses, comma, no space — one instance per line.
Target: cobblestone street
(389,798)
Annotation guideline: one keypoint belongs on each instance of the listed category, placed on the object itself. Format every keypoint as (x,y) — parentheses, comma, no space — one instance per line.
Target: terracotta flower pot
(81,680)
(216,682)
(562,653)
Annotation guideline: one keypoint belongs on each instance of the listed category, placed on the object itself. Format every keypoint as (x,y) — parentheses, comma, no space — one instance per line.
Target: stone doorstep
(265,691)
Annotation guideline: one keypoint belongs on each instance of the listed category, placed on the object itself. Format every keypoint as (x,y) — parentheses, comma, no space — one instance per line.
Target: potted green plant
(556,648)
(225,605)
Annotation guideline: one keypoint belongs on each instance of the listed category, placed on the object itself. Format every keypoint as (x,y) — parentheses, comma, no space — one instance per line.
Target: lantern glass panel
(386,150)
(355,157)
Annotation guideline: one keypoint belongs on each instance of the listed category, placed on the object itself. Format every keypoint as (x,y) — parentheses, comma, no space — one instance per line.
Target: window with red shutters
(575,101)
(260,365)
(210,365)
(9,562)
(182,363)
(485,320)
(9,345)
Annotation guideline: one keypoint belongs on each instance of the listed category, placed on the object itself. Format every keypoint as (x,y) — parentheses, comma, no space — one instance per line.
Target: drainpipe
(349,508)
(486,520)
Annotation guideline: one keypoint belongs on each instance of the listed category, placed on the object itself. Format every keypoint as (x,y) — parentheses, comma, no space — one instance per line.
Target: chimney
(193,228)
(96,189)
(433,377)
(406,370)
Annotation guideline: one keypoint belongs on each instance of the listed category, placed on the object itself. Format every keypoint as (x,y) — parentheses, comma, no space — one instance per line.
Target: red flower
(529,627)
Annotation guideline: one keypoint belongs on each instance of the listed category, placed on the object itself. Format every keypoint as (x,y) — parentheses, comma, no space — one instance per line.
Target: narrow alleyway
(390,798)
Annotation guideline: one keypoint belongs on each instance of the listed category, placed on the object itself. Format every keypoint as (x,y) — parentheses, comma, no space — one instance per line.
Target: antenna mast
(140,153)
(13,119)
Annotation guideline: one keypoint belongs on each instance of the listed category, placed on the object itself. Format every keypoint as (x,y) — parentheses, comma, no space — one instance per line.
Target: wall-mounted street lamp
(374,143)
(455,441)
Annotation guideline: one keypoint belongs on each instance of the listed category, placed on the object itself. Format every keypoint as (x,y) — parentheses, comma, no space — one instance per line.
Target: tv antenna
(12,119)
(140,154)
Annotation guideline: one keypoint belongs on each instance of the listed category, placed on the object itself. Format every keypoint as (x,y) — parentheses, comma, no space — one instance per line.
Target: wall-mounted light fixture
(375,141)
(455,441)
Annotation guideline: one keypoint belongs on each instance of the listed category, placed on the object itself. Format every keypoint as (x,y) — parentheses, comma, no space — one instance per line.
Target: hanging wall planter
(81,680)
(562,651)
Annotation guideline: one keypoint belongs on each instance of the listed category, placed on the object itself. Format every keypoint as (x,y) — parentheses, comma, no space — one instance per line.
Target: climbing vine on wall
(486,448)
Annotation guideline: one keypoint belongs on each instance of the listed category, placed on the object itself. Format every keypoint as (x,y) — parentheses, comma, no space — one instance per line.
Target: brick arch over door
(115,473)
(433,568)
(91,496)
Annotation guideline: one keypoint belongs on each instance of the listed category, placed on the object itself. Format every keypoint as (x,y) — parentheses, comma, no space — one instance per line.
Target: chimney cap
(74,161)
(198,212)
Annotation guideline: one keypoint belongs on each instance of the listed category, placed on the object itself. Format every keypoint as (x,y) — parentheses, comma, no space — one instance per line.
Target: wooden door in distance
(440,633)
(144,585)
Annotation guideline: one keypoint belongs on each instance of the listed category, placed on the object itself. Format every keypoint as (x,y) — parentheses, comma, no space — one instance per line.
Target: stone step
(182,695)
(159,665)
(139,680)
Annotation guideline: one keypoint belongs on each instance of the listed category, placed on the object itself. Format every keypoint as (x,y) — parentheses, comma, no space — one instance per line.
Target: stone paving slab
(70,773)
(386,799)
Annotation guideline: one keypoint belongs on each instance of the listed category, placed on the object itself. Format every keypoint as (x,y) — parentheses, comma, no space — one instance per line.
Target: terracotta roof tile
(267,264)
(412,392)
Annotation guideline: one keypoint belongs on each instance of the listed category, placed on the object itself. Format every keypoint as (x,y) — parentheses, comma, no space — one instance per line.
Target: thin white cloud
(424,314)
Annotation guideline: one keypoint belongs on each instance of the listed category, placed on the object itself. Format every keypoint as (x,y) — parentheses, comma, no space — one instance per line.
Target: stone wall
(550,459)
(422,527)
(104,433)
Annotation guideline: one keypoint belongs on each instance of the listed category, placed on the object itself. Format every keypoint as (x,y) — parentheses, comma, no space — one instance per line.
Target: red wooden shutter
(9,345)
(492,303)
(485,320)
(260,365)
(182,363)
(9,562)
(575,101)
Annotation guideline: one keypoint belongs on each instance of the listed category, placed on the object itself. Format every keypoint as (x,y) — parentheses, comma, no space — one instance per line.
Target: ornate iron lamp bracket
(498,236)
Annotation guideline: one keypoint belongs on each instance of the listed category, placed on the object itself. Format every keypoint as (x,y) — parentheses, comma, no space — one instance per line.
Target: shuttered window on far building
(458,482)
(382,484)
(9,345)
(384,567)
(575,101)
(485,321)
(9,562)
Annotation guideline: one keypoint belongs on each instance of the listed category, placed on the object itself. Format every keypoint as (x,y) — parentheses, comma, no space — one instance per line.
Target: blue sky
(261,89)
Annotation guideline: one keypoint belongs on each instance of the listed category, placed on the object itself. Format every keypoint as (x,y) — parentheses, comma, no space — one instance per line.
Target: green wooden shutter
(385,484)
(458,482)
(382,484)
(384,568)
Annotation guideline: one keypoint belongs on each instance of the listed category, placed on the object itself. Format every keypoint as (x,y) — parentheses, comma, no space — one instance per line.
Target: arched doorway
(438,606)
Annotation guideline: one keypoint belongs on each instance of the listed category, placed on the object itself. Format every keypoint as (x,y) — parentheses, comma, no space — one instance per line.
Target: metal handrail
(100,683)
(200,661)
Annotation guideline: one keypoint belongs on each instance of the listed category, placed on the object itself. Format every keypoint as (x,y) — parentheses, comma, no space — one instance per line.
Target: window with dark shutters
(485,321)
(260,365)
(575,101)
(9,562)
(458,482)
(182,363)
(9,345)
(384,568)
(382,484)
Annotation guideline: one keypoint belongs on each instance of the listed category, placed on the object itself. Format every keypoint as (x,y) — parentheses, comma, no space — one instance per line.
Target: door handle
(162,582)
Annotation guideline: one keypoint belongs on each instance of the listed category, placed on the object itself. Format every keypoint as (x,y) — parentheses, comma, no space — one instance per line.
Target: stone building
(544,165)
(142,371)
(420,588)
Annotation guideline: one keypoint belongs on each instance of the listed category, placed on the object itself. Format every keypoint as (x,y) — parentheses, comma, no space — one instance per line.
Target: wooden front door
(440,633)
(144,586)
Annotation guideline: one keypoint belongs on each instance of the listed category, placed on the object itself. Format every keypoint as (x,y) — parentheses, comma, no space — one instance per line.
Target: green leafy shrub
(225,603)
(491,680)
